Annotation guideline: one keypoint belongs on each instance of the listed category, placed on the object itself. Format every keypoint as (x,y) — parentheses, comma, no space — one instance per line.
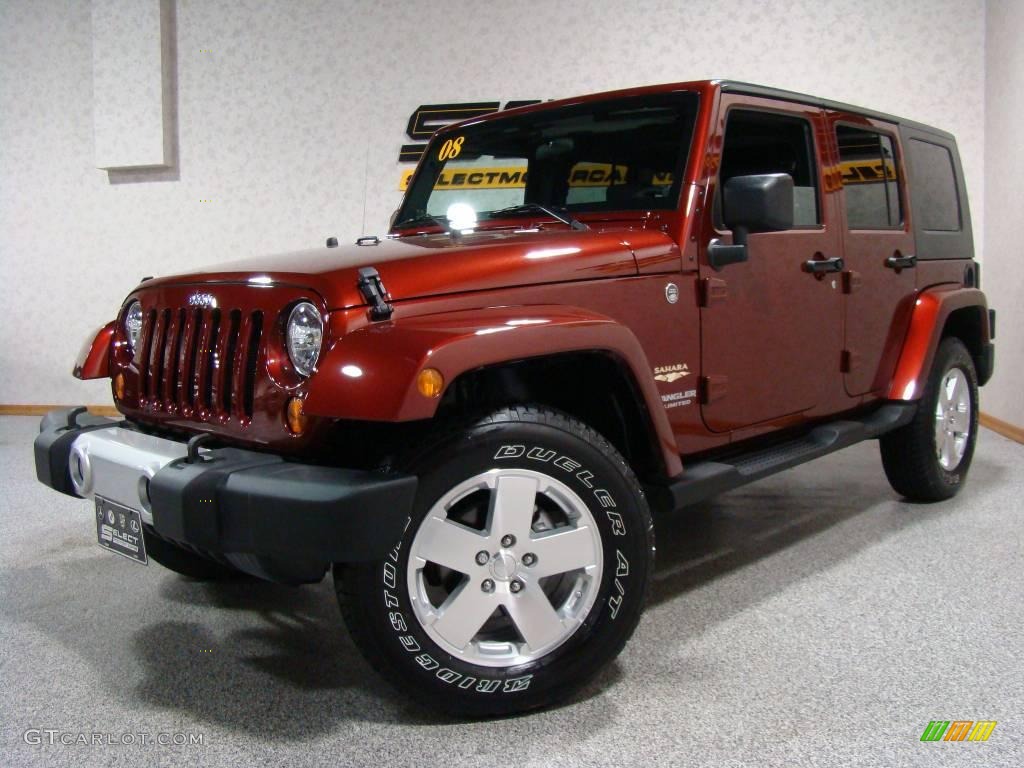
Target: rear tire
(549,547)
(928,459)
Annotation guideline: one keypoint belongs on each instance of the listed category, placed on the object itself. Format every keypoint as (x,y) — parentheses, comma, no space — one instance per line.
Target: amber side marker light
(296,418)
(119,386)
(430,382)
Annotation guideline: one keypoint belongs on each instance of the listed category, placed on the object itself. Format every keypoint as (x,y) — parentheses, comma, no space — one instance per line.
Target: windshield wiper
(555,212)
(425,219)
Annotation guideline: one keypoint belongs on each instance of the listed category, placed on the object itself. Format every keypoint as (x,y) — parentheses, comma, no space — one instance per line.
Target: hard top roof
(727,86)
(750,89)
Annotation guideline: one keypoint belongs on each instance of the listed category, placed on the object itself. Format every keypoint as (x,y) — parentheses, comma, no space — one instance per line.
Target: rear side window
(936,205)
(763,142)
(871,183)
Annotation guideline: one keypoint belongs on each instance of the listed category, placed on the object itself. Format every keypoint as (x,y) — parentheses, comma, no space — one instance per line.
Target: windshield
(615,155)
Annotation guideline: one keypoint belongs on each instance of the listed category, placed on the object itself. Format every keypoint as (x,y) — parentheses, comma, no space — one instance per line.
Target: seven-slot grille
(199,361)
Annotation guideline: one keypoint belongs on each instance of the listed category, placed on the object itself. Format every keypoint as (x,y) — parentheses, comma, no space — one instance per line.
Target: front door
(771,330)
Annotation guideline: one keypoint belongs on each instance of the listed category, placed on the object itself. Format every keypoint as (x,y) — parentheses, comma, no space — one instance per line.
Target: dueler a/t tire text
(377,602)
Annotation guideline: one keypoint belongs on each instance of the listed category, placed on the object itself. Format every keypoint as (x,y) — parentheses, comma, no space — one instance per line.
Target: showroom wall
(1003,271)
(290,116)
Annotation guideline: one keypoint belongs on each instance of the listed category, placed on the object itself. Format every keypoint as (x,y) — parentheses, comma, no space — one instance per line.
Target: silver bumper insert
(117,464)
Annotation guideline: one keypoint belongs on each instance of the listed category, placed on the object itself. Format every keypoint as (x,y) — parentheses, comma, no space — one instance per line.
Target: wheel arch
(970,325)
(942,312)
(370,374)
(593,385)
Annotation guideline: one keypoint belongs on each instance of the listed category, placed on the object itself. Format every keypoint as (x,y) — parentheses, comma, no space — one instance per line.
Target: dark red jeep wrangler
(584,310)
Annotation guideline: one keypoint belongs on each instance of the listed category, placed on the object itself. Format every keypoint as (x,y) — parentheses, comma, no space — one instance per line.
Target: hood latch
(376,295)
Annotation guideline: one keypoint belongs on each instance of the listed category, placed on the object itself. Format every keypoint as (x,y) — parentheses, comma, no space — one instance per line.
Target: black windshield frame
(644,141)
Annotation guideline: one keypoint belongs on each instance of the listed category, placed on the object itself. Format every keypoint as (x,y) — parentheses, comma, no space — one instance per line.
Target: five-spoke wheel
(952,419)
(504,567)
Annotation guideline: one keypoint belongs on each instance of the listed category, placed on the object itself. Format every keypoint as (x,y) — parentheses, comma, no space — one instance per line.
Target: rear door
(771,331)
(879,281)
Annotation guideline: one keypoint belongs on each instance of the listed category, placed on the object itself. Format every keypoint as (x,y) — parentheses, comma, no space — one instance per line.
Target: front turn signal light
(430,382)
(119,386)
(296,417)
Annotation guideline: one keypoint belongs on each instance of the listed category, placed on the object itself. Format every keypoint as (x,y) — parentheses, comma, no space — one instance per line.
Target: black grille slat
(251,360)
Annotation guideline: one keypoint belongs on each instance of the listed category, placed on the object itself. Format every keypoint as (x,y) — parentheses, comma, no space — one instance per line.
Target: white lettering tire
(522,571)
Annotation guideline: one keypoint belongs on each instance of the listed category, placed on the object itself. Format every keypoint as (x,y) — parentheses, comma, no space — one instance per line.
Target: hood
(433,265)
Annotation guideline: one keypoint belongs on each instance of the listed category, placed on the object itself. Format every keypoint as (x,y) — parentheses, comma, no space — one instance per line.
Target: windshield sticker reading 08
(451,149)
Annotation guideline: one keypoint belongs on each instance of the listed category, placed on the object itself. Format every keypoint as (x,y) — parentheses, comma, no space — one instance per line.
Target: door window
(764,142)
(871,183)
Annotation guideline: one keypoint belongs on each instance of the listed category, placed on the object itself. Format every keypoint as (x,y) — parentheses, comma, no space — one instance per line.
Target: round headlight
(133,324)
(305,334)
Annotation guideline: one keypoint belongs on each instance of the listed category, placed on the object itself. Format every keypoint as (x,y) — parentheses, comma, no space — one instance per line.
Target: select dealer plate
(119,530)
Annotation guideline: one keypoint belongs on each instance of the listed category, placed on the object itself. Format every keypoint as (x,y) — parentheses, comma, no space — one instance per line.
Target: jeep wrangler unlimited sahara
(584,310)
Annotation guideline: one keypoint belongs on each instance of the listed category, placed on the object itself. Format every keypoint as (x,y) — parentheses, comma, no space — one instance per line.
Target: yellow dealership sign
(514,177)
(600,175)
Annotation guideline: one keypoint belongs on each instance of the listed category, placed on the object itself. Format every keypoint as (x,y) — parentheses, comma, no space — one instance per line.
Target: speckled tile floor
(809,619)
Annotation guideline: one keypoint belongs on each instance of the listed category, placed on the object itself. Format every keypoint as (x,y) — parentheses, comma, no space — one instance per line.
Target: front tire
(521,573)
(928,459)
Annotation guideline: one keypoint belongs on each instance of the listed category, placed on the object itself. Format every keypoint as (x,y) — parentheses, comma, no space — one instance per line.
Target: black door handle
(901,262)
(821,266)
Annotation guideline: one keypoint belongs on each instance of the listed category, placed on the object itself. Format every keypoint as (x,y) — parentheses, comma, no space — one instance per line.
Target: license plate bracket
(119,530)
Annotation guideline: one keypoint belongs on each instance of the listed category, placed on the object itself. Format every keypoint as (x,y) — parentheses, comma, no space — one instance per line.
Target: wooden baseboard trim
(1004,428)
(42,410)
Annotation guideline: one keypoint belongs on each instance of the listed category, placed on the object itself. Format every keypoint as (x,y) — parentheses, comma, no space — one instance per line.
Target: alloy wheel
(505,567)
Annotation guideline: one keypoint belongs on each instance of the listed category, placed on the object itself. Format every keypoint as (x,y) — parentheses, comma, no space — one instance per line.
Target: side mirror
(762,203)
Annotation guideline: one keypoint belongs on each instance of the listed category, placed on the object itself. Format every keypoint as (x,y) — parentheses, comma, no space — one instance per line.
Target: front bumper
(263,514)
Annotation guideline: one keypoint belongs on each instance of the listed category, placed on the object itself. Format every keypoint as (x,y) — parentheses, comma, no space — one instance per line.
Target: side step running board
(705,479)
